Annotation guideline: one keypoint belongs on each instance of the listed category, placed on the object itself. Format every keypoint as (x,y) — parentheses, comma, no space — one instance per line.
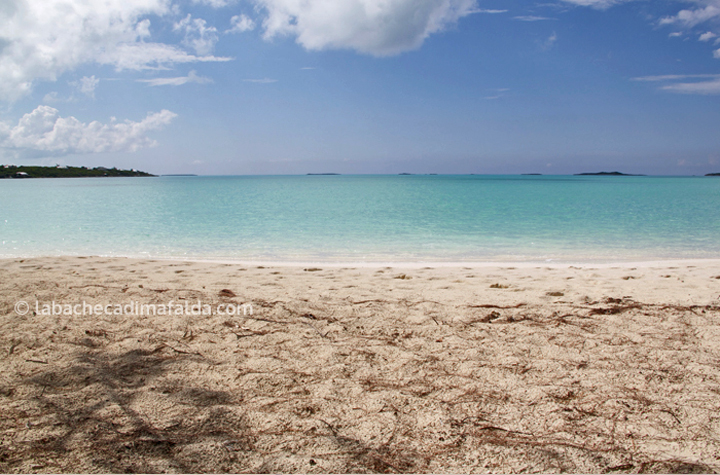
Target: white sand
(599,368)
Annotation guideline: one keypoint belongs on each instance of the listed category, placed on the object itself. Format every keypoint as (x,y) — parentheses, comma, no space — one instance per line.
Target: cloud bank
(40,40)
(43,130)
(374,27)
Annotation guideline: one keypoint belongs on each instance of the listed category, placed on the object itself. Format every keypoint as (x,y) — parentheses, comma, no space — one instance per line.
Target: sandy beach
(525,368)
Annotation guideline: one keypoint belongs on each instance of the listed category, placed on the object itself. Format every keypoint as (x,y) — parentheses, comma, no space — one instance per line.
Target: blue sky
(362,86)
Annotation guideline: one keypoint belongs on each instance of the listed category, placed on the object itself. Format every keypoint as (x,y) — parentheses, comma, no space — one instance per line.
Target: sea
(364,218)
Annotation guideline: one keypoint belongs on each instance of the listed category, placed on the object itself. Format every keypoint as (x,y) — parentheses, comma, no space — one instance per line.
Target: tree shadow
(87,421)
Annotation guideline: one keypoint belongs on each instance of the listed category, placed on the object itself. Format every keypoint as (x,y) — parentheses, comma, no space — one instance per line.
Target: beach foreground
(488,369)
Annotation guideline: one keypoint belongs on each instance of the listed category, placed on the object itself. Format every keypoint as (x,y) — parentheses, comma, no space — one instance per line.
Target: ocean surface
(364,218)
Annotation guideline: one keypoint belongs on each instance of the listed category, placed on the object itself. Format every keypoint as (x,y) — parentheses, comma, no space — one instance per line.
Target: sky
(243,87)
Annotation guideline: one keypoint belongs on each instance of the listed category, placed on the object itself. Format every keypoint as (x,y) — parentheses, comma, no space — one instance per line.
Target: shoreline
(412,264)
(340,370)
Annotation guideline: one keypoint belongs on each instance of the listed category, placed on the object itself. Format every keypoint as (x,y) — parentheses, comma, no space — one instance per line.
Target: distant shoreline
(23,172)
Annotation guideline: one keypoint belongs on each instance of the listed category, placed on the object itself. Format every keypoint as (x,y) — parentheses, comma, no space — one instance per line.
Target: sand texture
(486,369)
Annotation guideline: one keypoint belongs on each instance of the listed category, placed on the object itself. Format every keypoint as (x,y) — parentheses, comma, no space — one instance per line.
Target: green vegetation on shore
(12,171)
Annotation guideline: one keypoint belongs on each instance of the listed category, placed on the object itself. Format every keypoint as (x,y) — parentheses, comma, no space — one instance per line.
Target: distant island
(322,174)
(531,174)
(179,174)
(606,174)
(713,174)
(12,171)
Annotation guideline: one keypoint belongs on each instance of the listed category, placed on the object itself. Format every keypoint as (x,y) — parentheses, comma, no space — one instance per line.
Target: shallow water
(364,218)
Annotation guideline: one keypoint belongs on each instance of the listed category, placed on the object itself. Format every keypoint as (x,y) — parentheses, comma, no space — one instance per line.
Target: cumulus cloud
(177,81)
(707,14)
(198,35)
(707,36)
(708,11)
(40,40)
(240,24)
(691,18)
(375,27)
(43,130)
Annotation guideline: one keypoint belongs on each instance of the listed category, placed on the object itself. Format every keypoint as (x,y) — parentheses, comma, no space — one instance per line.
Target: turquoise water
(364,218)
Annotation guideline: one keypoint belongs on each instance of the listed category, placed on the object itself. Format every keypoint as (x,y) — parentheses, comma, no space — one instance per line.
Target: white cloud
(531,18)
(42,39)
(497,93)
(710,84)
(240,24)
(198,35)
(691,18)
(599,4)
(688,18)
(675,77)
(139,56)
(707,13)
(43,130)
(177,81)
(707,36)
(87,85)
(702,87)
(550,42)
(375,27)
(214,3)
(480,10)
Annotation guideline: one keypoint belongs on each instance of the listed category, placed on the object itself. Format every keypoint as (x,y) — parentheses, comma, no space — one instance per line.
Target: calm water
(364,218)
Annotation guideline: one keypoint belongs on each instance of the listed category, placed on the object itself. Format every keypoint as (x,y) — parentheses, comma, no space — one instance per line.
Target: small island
(12,171)
(606,174)
(713,174)
(323,174)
